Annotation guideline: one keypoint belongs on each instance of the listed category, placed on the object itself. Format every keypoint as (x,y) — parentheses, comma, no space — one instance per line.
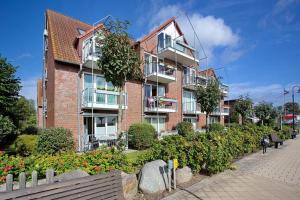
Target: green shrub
(184,128)
(215,127)
(24,145)
(53,140)
(93,162)
(141,135)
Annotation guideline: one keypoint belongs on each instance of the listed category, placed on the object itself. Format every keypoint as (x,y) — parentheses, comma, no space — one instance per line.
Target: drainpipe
(79,109)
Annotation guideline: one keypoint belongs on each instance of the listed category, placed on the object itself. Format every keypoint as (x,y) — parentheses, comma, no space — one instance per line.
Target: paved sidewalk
(274,175)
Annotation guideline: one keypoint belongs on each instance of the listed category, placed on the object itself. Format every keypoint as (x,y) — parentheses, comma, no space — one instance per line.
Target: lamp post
(293,96)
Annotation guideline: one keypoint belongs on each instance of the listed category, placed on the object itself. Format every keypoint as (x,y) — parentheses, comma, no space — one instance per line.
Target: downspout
(79,109)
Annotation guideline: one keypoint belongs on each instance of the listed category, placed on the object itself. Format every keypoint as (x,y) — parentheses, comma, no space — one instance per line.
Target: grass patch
(133,156)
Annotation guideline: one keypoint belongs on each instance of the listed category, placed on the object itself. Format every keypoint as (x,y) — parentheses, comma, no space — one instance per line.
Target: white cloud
(24,55)
(270,93)
(212,32)
(29,88)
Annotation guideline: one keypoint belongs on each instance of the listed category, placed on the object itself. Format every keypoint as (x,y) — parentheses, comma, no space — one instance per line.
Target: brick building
(74,94)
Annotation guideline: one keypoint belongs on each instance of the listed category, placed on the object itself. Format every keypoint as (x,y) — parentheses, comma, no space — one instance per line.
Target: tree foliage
(9,87)
(265,112)
(243,106)
(118,61)
(6,127)
(289,108)
(208,97)
(24,113)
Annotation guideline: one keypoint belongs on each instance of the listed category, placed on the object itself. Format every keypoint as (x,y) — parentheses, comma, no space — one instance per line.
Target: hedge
(54,140)
(210,152)
(24,145)
(93,162)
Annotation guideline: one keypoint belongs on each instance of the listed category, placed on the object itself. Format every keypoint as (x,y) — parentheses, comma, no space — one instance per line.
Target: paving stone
(274,175)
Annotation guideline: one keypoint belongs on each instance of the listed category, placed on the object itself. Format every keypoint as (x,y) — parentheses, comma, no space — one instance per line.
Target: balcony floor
(162,78)
(181,57)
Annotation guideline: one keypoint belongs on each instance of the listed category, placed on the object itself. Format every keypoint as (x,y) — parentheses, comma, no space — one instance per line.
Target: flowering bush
(94,162)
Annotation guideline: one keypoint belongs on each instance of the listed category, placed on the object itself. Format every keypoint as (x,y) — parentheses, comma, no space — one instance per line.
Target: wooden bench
(274,138)
(102,186)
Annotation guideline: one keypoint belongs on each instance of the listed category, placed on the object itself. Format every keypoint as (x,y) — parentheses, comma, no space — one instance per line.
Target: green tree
(289,108)
(208,97)
(118,62)
(265,112)
(6,127)
(243,106)
(24,113)
(9,87)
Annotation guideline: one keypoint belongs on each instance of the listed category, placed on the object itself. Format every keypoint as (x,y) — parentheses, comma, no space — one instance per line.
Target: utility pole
(293,97)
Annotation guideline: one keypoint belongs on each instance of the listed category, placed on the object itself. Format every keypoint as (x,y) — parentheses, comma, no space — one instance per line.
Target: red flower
(97,168)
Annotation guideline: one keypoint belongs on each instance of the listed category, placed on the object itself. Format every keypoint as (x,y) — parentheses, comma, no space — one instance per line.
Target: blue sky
(254,44)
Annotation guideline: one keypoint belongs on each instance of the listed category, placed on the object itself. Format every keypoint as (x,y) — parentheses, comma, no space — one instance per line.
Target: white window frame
(155,125)
(151,85)
(106,127)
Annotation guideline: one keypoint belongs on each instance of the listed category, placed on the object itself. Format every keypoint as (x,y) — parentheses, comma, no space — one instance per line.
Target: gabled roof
(63,31)
(208,72)
(159,28)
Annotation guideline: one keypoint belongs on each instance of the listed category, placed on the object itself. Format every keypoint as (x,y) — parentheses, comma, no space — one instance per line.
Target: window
(189,101)
(157,123)
(81,31)
(105,127)
(192,120)
(152,90)
(168,40)
(161,41)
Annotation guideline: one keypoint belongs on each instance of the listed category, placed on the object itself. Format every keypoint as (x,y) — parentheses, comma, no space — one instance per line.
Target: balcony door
(189,101)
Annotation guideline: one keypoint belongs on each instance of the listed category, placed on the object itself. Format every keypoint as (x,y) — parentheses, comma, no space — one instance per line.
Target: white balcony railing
(160,104)
(90,53)
(224,89)
(168,47)
(103,99)
(159,72)
(191,108)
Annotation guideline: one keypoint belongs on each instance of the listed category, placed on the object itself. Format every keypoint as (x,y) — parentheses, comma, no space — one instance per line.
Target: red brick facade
(64,83)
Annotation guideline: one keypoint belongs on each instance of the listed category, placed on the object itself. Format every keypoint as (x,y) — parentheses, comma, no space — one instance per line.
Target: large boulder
(154,177)
(70,175)
(130,185)
(183,175)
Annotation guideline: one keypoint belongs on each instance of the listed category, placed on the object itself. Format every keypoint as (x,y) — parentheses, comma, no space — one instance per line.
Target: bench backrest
(102,186)
(273,137)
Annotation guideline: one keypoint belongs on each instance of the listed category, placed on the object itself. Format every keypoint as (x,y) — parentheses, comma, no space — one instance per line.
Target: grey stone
(183,175)
(154,177)
(78,173)
(130,185)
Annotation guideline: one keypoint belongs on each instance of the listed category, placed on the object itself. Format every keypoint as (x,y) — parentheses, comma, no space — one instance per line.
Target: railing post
(22,181)
(9,183)
(49,176)
(34,179)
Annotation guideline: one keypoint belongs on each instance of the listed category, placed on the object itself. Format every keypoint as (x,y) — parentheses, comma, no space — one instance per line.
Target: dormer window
(81,31)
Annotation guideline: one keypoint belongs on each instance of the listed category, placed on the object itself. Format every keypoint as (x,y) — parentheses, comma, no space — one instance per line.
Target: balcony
(176,50)
(224,89)
(103,99)
(90,53)
(160,105)
(190,82)
(159,72)
(191,108)
(219,111)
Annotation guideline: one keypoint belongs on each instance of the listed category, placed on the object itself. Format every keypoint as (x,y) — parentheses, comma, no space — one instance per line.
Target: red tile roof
(63,31)
(207,72)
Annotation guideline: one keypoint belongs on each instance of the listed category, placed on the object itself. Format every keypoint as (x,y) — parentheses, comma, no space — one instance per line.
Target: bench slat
(90,189)
(37,192)
(72,187)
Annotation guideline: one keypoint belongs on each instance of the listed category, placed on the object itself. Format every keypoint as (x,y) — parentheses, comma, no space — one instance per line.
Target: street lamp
(293,96)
